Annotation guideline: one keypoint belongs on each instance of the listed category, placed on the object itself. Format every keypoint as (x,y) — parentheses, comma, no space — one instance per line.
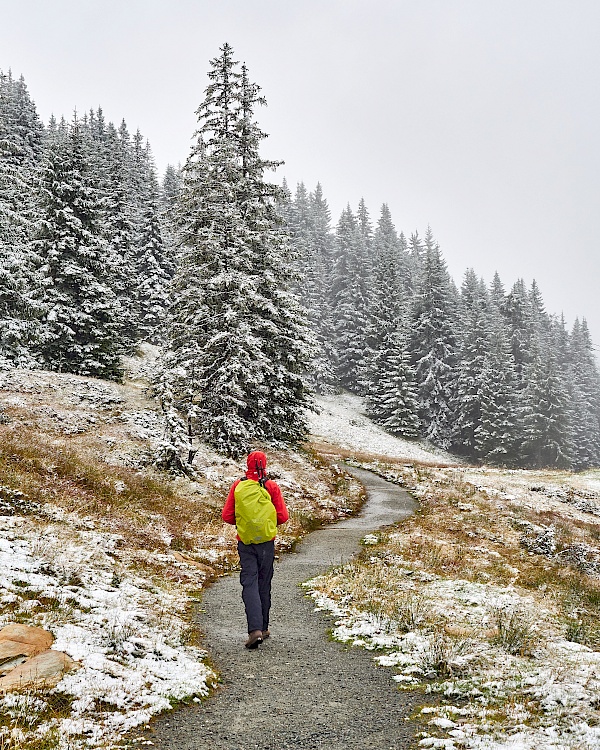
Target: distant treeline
(480,371)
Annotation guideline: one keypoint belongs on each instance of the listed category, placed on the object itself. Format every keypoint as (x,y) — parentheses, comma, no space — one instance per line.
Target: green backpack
(255,514)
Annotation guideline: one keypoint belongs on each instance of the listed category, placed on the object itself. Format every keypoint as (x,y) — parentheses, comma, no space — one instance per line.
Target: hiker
(256,507)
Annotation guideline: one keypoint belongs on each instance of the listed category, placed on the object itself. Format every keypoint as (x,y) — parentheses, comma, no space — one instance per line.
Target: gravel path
(298,690)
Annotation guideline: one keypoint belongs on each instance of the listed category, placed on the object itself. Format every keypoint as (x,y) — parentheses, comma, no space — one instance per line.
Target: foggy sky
(478,117)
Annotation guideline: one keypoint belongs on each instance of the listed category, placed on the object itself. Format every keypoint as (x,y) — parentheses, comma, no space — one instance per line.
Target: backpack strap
(262,481)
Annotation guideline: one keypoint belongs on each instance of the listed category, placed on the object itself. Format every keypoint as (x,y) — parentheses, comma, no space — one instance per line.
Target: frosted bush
(515,631)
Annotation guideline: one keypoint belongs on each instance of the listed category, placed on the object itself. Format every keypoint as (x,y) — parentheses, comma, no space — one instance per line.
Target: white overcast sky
(478,117)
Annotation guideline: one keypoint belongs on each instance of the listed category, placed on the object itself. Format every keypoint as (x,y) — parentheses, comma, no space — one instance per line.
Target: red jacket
(228,513)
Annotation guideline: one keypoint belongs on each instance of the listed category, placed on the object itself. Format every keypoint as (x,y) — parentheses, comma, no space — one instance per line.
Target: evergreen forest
(258,299)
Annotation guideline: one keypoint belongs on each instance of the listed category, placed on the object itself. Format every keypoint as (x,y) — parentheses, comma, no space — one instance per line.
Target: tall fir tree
(120,225)
(546,426)
(517,309)
(497,437)
(470,376)
(21,144)
(389,279)
(307,220)
(434,347)
(584,398)
(349,300)
(169,195)
(323,370)
(416,255)
(238,343)
(151,264)
(392,399)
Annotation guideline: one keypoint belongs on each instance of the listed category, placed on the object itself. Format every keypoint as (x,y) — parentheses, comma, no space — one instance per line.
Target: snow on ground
(114,579)
(576,495)
(494,689)
(341,422)
(545,696)
(124,631)
(129,630)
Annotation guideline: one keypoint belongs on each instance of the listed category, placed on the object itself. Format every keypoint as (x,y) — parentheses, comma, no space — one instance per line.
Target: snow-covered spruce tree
(389,281)
(152,267)
(307,219)
(169,194)
(546,429)
(583,384)
(80,332)
(349,302)
(497,435)
(388,302)
(238,343)
(323,369)
(498,296)
(170,188)
(21,143)
(392,399)
(119,228)
(517,309)
(470,377)
(416,258)
(434,348)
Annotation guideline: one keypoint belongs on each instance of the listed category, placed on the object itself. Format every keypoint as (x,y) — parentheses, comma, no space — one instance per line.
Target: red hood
(257,465)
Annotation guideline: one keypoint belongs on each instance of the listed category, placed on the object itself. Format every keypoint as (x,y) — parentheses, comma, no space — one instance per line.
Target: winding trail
(298,690)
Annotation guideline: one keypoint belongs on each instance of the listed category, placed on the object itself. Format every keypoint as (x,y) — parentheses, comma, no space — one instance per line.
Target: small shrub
(409,612)
(584,558)
(303,521)
(74,579)
(583,629)
(379,609)
(540,542)
(117,633)
(515,631)
(578,632)
(443,655)
(182,543)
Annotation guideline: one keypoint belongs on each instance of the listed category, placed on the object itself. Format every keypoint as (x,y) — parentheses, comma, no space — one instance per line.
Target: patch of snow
(130,658)
(341,421)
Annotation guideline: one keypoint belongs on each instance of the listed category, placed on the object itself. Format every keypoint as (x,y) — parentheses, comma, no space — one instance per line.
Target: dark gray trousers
(256,576)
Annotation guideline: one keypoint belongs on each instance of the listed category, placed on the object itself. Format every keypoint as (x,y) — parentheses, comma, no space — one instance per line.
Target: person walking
(255,506)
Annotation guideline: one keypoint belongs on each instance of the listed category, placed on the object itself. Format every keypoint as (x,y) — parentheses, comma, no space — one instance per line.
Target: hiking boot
(266,634)
(254,639)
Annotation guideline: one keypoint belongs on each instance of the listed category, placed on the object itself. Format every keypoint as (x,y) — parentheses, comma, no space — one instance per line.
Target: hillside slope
(342,426)
(488,598)
(109,555)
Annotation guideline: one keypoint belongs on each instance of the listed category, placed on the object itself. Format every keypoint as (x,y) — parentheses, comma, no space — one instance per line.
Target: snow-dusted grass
(341,423)
(127,632)
(111,556)
(461,602)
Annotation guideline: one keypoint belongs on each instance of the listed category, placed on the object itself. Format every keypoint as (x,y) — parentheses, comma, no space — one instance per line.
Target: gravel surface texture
(298,689)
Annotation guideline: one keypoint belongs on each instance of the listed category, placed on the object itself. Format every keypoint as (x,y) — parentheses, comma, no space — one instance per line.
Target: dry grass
(515,631)
(82,446)
(473,598)
(53,471)
(462,532)
(27,712)
(365,457)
